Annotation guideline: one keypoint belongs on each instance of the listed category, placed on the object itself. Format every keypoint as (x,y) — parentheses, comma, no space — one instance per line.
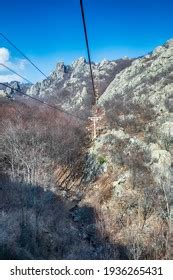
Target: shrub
(101,160)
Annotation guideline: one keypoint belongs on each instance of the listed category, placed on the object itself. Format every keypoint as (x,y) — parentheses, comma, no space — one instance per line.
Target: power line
(43,102)
(36,99)
(27,58)
(88,49)
(11,70)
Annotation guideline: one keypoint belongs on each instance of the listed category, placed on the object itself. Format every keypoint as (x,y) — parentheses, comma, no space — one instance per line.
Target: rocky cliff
(128,166)
(134,150)
(70,85)
(118,186)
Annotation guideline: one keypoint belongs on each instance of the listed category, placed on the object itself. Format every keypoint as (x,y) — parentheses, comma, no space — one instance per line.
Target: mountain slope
(131,157)
(70,85)
(118,186)
(149,77)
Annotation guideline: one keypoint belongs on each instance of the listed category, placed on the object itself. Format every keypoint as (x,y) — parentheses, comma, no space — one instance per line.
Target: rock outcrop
(126,172)
(137,153)
(70,85)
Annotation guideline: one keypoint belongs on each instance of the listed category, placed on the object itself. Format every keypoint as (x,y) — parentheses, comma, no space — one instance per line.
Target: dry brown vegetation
(42,159)
(48,211)
(131,116)
(34,140)
(130,205)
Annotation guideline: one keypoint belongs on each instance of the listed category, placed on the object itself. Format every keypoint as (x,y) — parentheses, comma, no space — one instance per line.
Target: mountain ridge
(70,85)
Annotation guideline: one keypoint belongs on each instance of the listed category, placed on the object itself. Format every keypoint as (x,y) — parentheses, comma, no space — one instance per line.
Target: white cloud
(4,55)
(9,78)
(21,64)
(17,65)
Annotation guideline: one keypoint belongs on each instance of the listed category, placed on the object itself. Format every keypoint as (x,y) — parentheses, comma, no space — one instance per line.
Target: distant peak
(60,66)
(104,61)
(169,42)
(79,61)
(126,57)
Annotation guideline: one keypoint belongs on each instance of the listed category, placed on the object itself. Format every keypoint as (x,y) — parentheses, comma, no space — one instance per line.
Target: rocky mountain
(139,104)
(6,91)
(149,78)
(134,153)
(114,191)
(70,85)
(128,166)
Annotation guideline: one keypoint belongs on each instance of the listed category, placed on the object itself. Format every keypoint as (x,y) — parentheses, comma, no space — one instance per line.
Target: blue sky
(49,31)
